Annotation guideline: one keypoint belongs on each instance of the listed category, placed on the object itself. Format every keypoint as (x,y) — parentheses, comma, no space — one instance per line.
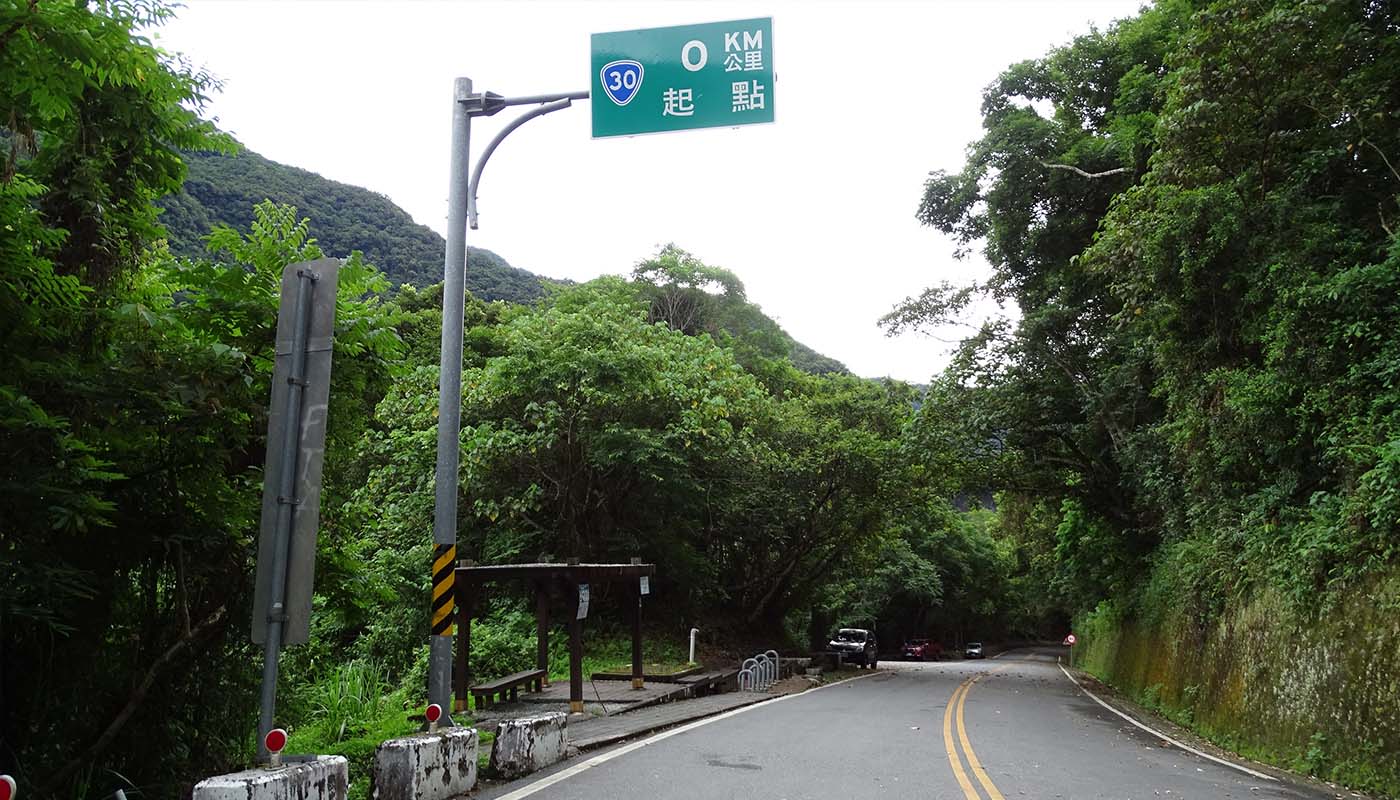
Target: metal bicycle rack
(759,673)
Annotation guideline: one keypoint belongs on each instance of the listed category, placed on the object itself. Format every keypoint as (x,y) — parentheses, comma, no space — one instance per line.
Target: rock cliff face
(1318,692)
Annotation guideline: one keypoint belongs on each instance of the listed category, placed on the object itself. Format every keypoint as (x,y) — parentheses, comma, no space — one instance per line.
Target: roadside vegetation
(658,416)
(1194,419)
(1191,425)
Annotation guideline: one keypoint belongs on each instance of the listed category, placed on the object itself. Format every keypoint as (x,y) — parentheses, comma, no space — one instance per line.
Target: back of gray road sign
(306,513)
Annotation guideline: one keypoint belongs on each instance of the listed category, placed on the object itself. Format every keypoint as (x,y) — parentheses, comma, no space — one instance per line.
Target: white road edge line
(1161,735)
(544,783)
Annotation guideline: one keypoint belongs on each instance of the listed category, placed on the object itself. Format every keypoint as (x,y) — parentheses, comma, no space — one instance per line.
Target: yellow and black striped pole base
(444,563)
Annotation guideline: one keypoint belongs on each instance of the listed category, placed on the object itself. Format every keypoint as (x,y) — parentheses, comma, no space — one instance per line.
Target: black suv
(856,645)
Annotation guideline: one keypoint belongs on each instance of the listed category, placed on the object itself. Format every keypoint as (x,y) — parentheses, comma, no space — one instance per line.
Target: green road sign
(715,75)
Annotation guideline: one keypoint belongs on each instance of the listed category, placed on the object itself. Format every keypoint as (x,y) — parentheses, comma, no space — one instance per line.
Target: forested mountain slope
(809,360)
(222,189)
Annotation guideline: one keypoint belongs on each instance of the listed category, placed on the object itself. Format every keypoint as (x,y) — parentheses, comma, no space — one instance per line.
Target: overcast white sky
(815,212)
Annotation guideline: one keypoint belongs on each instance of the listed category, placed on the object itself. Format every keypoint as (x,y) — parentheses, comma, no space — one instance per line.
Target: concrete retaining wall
(426,766)
(1318,692)
(528,744)
(326,778)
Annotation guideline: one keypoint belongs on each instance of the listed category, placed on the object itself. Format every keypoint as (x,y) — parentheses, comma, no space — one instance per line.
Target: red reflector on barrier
(275,740)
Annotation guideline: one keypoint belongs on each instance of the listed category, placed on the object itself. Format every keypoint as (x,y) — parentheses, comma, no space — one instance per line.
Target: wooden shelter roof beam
(584,573)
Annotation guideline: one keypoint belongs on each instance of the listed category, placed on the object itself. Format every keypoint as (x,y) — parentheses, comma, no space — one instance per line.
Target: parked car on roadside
(973,650)
(922,650)
(857,646)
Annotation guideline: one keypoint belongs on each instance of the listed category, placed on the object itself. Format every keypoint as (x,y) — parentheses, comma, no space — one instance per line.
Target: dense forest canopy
(1195,212)
(1204,261)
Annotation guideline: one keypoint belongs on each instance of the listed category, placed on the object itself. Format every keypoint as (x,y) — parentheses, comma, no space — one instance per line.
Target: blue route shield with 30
(621,80)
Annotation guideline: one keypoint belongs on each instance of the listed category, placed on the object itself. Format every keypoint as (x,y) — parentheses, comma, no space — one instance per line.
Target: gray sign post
(461,203)
(296,443)
(445,478)
(739,48)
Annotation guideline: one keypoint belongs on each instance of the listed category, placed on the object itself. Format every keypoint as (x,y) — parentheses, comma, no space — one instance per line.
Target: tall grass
(348,698)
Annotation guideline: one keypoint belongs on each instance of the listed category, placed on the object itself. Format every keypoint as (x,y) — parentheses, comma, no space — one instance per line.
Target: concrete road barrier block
(426,766)
(528,744)
(326,778)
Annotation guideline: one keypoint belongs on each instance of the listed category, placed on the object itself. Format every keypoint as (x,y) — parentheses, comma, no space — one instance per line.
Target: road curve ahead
(1002,729)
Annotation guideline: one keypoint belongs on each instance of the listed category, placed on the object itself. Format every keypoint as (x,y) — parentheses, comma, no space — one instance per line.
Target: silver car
(856,646)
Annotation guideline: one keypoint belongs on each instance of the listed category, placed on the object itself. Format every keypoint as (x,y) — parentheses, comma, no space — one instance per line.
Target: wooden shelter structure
(568,579)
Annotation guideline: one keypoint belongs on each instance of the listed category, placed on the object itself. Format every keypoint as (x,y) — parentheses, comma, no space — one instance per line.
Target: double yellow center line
(955,709)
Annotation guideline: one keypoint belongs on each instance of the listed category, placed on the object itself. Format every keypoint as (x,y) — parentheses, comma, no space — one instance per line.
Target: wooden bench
(486,694)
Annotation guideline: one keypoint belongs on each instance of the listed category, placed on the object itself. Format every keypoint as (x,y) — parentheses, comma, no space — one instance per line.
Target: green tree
(173,409)
(1256,265)
(693,297)
(93,117)
(1050,404)
(1194,212)
(818,493)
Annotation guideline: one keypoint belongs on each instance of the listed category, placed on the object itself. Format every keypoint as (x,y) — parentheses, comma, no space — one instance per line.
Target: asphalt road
(1011,727)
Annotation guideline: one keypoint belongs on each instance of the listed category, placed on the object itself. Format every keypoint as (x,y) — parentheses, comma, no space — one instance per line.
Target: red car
(922,650)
